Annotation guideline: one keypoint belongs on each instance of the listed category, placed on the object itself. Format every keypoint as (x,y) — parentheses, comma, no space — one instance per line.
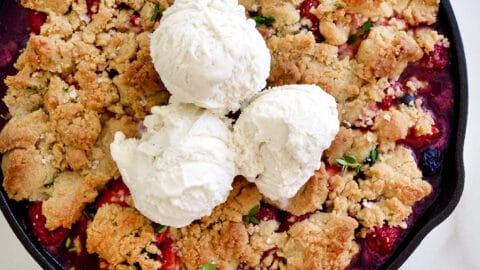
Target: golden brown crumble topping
(85,76)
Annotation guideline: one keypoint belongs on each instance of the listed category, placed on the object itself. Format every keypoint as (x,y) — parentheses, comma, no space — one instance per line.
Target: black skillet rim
(445,203)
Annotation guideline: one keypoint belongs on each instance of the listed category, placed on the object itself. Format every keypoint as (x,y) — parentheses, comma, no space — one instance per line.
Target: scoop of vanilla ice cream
(181,168)
(281,135)
(207,53)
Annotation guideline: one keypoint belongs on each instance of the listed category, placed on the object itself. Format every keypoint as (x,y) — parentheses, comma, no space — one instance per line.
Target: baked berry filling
(35,20)
(432,82)
(305,13)
(115,193)
(93,6)
(46,237)
(69,245)
(382,240)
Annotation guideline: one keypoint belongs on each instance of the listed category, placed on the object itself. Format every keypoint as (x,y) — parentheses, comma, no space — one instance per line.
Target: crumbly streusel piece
(418,12)
(386,53)
(299,59)
(395,184)
(323,241)
(71,192)
(121,236)
(27,166)
(369,8)
(310,197)
(351,142)
(222,237)
(57,6)
(26,174)
(25,131)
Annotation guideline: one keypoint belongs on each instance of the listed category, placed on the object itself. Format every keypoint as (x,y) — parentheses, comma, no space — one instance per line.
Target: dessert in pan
(222,135)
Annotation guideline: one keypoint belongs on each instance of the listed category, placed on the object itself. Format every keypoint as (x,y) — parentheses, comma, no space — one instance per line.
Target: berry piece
(333,170)
(270,259)
(36,20)
(382,240)
(407,99)
(136,23)
(288,220)
(386,103)
(135,20)
(160,238)
(438,59)
(266,213)
(93,7)
(431,161)
(305,8)
(168,256)
(116,192)
(37,219)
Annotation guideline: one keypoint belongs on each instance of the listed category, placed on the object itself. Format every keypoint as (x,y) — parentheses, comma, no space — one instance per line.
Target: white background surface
(452,245)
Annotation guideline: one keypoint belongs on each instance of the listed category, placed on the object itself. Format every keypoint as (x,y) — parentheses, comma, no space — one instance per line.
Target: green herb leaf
(161,228)
(338,5)
(365,27)
(347,162)
(157,11)
(350,159)
(72,249)
(352,39)
(209,266)
(259,20)
(68,242)
(250,217)
(254,210)
(72,268)
(342,162)
(363,30)
(254,220)
(374,154)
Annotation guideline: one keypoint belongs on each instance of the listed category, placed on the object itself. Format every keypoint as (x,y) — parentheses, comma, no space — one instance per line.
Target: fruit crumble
(86,73)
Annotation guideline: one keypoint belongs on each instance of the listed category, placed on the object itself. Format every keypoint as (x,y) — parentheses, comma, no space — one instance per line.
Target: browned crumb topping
(122,236)
(85,78)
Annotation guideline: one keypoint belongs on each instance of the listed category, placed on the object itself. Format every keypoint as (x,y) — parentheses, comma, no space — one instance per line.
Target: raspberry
(36,20)
(266,213)
(386,103)
(418,142)
(288,220)
(168,257)
(38,220)
(92,7)
(136,23)
(438,59)
(305,8)
(116,192)
(382,240)
(160,238)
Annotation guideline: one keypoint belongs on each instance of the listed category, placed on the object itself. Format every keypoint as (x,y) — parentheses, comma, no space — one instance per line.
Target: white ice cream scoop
(181,168)
(209,54)
(281,135)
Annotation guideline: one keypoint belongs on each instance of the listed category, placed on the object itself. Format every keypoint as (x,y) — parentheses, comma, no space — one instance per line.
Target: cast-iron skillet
(13,27)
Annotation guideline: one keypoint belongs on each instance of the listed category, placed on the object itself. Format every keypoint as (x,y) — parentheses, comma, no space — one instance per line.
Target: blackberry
(431,161)
(407,99)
